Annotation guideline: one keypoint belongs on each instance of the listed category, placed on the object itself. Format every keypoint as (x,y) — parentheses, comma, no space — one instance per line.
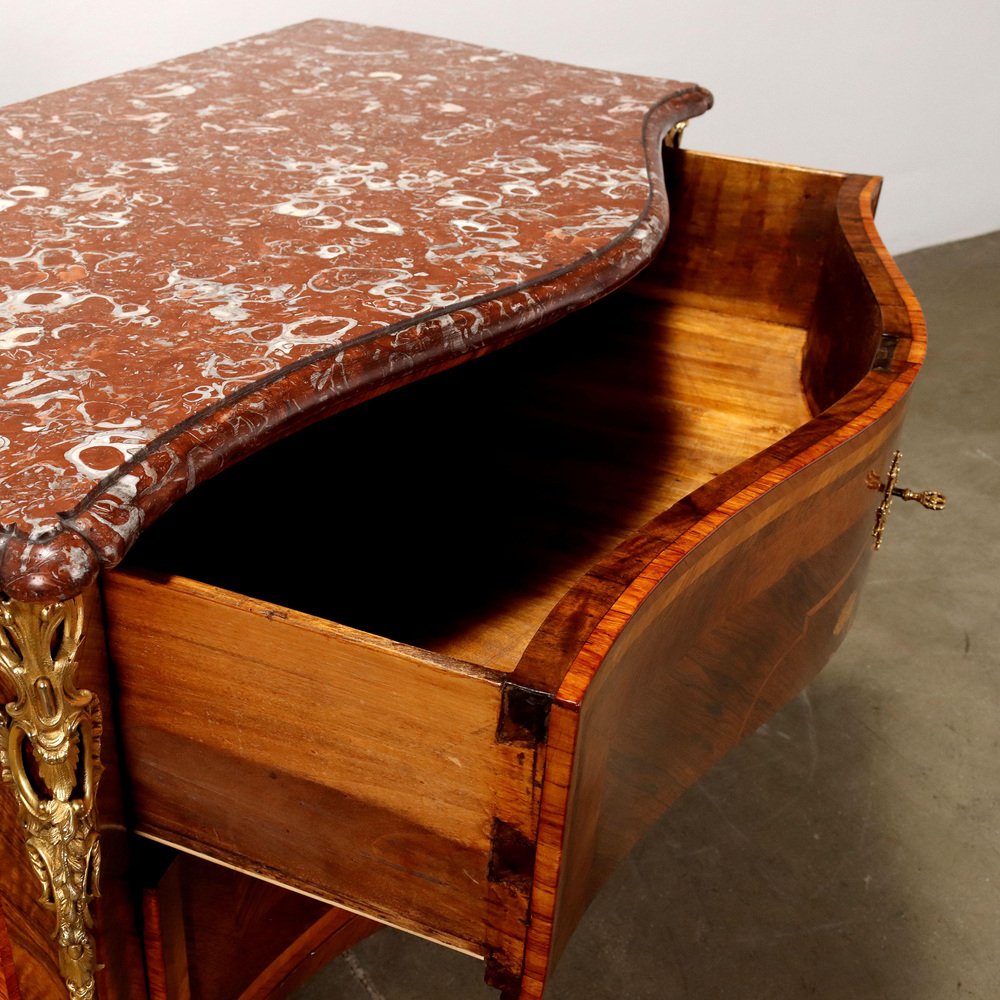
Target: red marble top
(201,256)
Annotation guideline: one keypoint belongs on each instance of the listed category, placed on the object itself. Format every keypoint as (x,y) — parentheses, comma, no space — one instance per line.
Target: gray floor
(850,850)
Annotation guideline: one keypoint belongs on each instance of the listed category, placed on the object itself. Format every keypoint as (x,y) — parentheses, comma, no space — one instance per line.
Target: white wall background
(909,89)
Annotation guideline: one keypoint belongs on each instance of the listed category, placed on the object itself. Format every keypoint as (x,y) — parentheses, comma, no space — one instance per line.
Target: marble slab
(199,257)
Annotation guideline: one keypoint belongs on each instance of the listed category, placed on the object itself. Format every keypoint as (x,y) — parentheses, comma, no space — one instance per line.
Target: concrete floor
(850,850)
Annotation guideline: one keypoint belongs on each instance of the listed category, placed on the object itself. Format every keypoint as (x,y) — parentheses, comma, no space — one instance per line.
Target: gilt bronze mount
(50,754)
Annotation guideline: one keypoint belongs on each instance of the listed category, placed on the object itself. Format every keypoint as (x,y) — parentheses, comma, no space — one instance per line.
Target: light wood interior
(695,392)
(509,479)
(454,514)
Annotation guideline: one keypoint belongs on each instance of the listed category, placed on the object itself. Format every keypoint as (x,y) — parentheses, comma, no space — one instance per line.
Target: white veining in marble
(176,239)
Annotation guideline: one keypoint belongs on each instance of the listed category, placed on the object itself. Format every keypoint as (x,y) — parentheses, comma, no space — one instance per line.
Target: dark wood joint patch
(501,977)
(511,870)
(885,353)
(512,856)
(524,715)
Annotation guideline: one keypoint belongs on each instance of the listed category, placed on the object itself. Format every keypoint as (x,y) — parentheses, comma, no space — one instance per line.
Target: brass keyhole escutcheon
(926,498)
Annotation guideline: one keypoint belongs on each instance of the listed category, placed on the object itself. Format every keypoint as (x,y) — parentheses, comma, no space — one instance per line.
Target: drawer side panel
(347,768)
(735,630)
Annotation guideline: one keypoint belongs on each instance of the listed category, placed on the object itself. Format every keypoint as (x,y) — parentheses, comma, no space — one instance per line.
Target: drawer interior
(454,513)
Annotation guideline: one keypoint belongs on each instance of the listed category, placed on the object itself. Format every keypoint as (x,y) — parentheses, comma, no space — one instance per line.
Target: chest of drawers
(437,656)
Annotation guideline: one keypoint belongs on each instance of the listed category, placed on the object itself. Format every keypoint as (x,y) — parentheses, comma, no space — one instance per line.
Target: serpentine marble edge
(202,256)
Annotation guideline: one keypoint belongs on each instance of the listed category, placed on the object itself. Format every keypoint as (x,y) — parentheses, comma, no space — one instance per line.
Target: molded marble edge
(97,534)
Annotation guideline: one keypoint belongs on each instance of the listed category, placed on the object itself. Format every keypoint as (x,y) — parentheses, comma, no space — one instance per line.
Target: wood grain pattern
(117,911)
(32,972)
(330,936)
(9,989)
(354,769)
(164,925)
(669,388)
(733,632)
(746,237)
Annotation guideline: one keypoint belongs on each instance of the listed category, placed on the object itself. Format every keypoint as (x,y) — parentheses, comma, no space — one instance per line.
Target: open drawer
(442,658)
